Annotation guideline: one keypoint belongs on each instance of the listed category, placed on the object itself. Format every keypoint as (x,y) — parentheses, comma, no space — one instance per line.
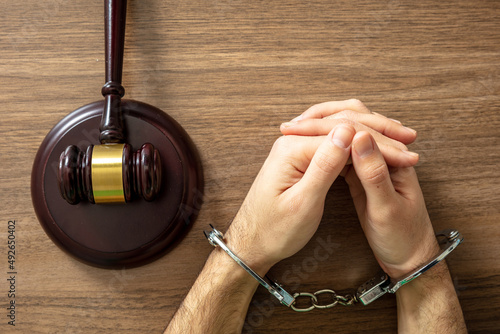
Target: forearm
(429,304)
(218,300)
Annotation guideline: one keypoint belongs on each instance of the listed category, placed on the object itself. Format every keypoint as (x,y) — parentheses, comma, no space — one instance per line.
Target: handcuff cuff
(366,293)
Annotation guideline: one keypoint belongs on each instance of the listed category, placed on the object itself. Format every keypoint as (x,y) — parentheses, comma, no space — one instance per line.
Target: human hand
(390,135)
(285,204)
(391,209)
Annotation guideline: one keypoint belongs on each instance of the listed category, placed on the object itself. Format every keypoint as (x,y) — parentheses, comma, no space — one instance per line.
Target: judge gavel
(116,167)
(110,172)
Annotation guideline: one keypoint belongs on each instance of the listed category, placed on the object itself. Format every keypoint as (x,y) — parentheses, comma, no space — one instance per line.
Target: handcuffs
(366,293)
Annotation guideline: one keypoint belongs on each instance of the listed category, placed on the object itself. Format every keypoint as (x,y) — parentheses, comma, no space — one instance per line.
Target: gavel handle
(111,126)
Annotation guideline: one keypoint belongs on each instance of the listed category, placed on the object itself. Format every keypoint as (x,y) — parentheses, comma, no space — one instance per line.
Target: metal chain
(346,300)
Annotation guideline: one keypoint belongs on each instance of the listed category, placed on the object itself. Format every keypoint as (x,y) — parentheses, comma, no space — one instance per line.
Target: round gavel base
(119,235)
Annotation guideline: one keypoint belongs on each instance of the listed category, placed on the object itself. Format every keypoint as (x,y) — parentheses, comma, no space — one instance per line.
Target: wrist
(423,255)
(246,240)
(245,248)
(224,269)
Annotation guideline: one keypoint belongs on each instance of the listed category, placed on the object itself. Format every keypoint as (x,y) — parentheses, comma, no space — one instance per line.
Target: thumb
(328,161)
(372,170)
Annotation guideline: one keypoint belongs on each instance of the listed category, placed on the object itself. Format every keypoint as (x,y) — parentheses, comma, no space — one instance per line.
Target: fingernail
(410,130)
(364,146)
(412,154)
(288,124)
(395,120)
(298,118)
(342,136)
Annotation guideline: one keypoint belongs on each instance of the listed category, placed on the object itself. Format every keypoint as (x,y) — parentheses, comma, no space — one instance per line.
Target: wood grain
(230,72)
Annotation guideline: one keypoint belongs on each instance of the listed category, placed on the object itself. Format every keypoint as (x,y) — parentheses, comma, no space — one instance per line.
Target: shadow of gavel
(110,172)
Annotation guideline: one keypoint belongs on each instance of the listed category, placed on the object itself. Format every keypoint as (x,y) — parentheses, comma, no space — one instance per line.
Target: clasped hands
(285,204)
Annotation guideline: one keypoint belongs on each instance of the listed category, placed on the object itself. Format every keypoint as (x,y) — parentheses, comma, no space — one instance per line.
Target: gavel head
(109,173)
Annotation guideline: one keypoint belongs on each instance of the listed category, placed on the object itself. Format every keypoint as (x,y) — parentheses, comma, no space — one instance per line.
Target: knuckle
(325,162)
(357,104)
(313,109)
(282,144)
(377,174)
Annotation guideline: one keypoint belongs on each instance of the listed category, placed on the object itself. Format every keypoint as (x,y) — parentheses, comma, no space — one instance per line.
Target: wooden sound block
(119,235)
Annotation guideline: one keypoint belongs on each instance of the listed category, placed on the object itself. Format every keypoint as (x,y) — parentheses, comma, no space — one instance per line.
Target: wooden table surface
(230,71)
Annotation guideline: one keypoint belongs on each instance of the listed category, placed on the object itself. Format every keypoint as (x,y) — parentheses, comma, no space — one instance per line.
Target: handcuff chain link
(346,300)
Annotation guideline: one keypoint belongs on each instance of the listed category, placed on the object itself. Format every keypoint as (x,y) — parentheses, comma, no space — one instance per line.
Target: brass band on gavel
(107,173)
